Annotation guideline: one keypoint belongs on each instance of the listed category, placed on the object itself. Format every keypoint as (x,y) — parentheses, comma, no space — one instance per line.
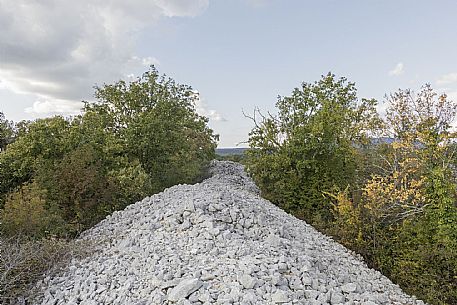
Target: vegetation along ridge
(383,185)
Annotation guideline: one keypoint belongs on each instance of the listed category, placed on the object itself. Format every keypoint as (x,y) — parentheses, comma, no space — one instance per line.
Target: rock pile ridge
(216,242)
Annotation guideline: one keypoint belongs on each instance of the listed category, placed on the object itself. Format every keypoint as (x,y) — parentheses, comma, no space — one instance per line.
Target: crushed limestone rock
(215,242)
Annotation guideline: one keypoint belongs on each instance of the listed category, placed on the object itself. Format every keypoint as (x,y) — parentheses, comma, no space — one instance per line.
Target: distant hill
(231,151)
(235,151)
(382,140)
(238,151)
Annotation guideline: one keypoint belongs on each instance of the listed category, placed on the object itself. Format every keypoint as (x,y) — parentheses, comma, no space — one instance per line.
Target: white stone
(279,297)
(336,298)
(247,281)
(349,287)
(183,289)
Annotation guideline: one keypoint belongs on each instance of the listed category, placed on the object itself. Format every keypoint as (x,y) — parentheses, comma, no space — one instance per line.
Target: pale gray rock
(279,297)
(349,287)
(215,242)
(336,298)
(247,281)
(208,277)
(184,289)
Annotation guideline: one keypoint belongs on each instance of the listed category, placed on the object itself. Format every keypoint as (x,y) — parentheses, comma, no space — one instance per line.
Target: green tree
(79,185)
(136,140)
(309,148)
(27,213)
(38,143)
(156,121)
(386,189)
(6,132)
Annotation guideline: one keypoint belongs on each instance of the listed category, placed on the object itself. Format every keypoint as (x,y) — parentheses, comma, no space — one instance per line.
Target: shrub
(26,213)
(23,262)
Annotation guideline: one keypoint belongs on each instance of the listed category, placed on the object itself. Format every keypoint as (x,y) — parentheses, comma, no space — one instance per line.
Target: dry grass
(24,262)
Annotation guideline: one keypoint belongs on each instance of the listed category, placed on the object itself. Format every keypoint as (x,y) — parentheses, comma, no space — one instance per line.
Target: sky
(239,54)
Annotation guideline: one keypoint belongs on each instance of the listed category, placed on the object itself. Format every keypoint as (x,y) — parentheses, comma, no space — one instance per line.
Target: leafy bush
(27,213)
(37,144)
(80,187)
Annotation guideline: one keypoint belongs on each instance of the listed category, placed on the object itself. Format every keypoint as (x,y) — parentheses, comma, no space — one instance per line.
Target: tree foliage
(156,121)
(27,213)
(37,144)
(6,132)
(309,148)
(137,139)
(386,189)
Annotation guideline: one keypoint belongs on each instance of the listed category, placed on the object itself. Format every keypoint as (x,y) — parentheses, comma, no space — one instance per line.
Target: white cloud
(58,50)
(148,61)
(398,70)
(212,115)
(202,109)
(450,92)
(41,108)
(447,79)
(175,8)
(452,95)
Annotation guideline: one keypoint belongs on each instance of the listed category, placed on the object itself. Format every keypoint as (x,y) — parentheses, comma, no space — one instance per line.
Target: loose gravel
(215,242)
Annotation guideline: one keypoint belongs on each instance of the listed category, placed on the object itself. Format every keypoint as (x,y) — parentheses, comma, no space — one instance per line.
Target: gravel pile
(216,242)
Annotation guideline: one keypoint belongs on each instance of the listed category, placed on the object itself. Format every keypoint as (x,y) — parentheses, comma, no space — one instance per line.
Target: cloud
(58,50)
(179,8)
(447,79)
(211,114)
(203,110)
(452,95)
(148,61)
(398,70)
(41,108)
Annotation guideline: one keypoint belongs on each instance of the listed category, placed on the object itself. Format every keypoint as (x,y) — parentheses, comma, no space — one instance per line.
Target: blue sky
(239,54)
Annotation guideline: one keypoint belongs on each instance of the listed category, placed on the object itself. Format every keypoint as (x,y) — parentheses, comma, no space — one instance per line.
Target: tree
(155,119)
(6,132)
(79,185)
(422,150)
(309,148)
(27,213)
(386,189)
(409,204)
(136,140)
(37,144)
